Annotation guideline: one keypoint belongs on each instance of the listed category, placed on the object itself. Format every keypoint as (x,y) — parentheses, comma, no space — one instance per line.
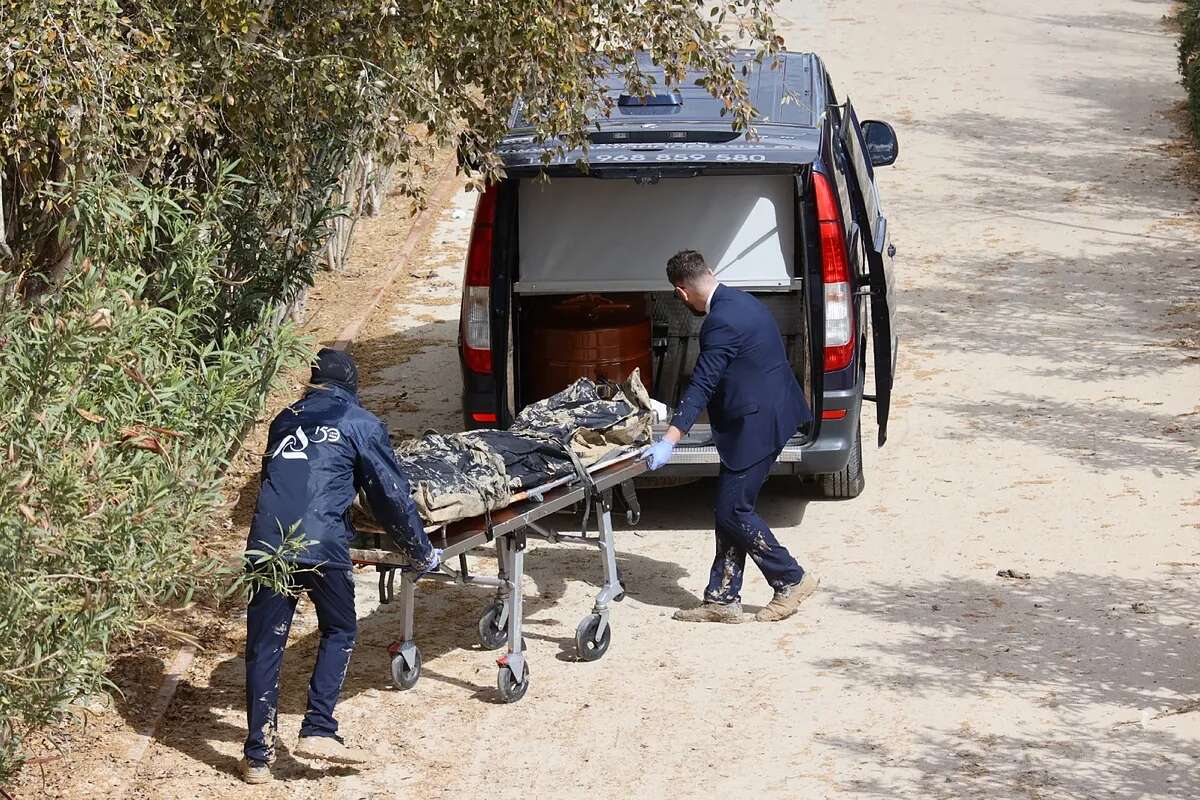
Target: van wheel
(850,481)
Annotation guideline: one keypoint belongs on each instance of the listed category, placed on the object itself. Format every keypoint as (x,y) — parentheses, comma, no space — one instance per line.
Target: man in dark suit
(755,405)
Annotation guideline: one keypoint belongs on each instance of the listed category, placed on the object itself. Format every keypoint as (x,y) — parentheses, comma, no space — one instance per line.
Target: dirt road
(1046,422)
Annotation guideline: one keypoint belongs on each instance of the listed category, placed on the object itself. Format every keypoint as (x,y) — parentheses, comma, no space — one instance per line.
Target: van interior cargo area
(590,297)
(606,335)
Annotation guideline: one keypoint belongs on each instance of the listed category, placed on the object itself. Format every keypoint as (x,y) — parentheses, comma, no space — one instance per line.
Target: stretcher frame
(500,623)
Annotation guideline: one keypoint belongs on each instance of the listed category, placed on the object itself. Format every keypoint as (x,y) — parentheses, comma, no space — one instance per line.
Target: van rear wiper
(644,175)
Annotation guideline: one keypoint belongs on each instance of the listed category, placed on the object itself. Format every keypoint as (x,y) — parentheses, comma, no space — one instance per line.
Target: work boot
(255,771)
(788,599)
(330,748)
(712,612)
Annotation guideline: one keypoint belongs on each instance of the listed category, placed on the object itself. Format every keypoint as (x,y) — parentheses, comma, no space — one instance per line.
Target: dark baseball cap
(335,366)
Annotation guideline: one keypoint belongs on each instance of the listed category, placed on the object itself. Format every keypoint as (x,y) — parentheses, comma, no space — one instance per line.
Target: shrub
(1189,58)
(117,412)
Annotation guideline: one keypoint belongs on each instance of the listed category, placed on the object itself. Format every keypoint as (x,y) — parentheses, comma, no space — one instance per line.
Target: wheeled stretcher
(594,492)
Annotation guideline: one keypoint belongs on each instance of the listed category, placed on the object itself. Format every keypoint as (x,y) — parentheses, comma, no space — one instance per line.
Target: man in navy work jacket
(320,452)
(755,405)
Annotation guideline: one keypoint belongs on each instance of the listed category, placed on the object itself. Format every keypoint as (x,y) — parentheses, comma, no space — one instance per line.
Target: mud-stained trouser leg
(741,532)
(268,620)
(332,594)
(725,577)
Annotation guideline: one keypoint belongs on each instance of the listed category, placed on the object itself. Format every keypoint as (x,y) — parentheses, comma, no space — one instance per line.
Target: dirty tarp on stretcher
(460,475)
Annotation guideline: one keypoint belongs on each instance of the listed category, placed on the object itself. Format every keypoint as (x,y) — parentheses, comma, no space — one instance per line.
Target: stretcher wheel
(491,635)
(589,646)
(406,677)
(510,690)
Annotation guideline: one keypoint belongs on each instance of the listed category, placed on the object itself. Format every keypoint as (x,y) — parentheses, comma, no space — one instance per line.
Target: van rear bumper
(478,397)
(830,452)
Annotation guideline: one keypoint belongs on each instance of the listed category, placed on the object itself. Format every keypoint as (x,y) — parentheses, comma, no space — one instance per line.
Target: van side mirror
(882,146)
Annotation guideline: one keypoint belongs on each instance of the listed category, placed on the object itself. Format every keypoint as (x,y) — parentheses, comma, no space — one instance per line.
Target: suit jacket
(744,379)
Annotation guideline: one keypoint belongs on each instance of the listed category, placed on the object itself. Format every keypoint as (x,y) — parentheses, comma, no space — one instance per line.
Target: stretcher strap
(585,478)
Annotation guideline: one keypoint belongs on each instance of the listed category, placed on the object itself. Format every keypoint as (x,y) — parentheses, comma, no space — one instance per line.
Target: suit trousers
(268,620)
(740,531)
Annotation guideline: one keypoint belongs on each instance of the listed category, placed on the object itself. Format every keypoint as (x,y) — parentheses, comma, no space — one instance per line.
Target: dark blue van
(792,215)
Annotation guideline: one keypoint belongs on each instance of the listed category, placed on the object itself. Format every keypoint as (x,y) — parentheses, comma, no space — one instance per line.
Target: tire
(490,636)
(849,482)
(403,676)
(588,646)
(510,690)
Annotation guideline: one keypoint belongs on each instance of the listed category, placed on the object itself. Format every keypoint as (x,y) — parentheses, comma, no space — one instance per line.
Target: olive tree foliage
(169,173)
(292,90)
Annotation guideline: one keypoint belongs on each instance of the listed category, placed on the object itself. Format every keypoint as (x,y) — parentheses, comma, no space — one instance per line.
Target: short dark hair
(685,266)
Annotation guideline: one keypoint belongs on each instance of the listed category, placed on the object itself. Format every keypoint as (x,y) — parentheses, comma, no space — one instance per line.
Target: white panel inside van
(592,234)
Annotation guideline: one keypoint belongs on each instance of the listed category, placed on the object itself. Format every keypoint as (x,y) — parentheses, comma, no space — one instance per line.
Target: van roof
(685,123)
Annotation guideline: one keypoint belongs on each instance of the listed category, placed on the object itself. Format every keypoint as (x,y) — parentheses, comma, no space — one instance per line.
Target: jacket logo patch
(293,447)
(327,433)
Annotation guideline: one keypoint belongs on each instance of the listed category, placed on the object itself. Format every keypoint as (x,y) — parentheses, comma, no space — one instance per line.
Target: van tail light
(835,274)
(475,332)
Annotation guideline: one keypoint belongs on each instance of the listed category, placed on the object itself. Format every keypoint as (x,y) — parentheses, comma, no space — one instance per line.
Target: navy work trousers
(740,531)
(268,620)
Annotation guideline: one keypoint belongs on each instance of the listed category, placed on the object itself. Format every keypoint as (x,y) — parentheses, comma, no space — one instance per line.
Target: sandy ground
(1046,421)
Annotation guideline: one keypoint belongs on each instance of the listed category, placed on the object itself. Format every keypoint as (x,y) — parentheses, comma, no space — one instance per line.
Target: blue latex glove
(659,453)
(434,562)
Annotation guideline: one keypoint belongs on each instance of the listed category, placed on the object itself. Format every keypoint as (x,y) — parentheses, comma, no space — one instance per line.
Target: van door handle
(891,251)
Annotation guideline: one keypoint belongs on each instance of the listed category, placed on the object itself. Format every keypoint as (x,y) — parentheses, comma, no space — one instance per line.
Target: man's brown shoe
(255,772)
(712,612)
(330,748)
(788,599)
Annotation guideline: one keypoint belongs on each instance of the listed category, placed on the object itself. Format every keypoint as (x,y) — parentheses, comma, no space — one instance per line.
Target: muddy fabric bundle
(453,476)
(528,460)
(466,474)
(592,419)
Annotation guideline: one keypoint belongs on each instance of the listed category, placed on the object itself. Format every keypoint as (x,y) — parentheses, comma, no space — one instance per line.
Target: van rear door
(879,260)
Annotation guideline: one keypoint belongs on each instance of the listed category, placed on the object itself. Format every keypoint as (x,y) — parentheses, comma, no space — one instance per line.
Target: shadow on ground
(1071,647)
(1080,306)
(1105,300)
